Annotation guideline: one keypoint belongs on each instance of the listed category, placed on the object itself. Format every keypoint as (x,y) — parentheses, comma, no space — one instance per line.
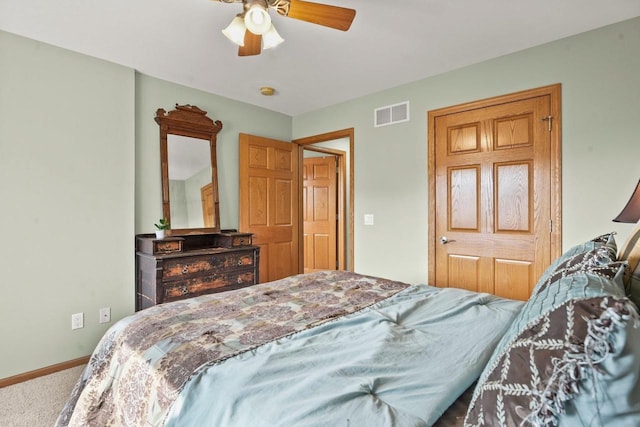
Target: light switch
(368,219)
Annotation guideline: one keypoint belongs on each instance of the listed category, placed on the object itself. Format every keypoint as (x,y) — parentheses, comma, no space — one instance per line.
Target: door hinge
(549,120)
(550,226)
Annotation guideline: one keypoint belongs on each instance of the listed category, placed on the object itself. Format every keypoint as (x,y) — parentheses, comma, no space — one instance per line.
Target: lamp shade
(257,19)
(235,31)
(631,212)
(271,38)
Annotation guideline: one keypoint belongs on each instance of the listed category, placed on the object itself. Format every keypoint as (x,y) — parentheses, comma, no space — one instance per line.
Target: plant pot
(160,234)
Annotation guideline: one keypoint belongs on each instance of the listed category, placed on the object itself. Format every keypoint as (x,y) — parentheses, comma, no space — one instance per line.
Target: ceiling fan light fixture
(235,31)
(256,31)
(257,19)
(271,38)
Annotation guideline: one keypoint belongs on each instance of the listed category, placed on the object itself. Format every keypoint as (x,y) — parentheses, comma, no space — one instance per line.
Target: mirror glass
(189,182)
(188,170)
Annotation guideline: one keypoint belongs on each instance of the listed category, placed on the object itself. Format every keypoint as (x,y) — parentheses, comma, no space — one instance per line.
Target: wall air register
(391,114)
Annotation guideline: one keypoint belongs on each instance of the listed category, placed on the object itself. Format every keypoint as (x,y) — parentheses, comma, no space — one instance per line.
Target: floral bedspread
(143,362)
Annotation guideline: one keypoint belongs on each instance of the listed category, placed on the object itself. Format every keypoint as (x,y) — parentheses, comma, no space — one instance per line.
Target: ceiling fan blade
(252,44)
(326,15)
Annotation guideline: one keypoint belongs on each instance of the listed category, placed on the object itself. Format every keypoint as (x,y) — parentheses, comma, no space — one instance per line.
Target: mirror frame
(191,121)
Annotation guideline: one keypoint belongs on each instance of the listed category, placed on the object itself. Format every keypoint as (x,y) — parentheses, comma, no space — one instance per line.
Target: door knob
(444,240)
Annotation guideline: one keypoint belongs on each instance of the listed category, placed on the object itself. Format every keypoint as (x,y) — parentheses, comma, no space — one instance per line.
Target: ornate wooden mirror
(189,170)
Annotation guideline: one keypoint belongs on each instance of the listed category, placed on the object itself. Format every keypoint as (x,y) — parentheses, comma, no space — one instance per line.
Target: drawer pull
(185,269)
(184,290)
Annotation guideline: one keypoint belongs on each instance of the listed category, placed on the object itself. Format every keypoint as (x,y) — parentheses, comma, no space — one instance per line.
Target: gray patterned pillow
(577,253)
(559,342)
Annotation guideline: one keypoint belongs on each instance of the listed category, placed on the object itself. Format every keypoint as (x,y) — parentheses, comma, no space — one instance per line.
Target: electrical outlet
(105,315)
(77,321)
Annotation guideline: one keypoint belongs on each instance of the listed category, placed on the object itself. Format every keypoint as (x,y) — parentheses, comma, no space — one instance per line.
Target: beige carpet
(38,402)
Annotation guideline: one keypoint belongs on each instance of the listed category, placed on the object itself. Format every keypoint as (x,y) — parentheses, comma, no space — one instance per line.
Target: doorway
(270,199)
(339,145)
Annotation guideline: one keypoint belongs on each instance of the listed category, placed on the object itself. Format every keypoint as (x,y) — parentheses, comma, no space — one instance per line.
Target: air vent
(391,114)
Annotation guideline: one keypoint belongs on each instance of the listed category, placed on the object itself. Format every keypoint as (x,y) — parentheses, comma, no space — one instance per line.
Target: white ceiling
(389,43)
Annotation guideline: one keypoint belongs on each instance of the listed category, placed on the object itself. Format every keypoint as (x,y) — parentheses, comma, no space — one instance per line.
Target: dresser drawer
(233,240)
(208,284)
(184,267)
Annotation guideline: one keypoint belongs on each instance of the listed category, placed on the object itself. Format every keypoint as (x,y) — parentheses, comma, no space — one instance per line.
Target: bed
(336,348)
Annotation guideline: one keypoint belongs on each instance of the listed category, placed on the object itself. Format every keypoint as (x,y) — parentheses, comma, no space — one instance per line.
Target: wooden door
(269,203)
(319,213)
(497,175)
(206,195)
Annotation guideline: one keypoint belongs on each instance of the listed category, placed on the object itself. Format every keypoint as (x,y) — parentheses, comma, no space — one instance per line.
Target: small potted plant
(162,226)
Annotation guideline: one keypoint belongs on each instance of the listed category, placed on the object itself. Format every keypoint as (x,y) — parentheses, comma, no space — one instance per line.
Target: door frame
(306,143)
(554,93)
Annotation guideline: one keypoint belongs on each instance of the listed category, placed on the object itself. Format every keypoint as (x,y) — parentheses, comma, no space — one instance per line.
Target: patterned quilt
(143,362)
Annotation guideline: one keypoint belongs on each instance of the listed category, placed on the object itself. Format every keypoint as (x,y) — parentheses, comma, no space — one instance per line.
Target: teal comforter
(322,349)
(401,362)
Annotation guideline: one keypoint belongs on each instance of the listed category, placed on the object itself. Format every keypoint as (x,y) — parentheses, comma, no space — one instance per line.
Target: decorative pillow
(573,254)
(571,341)
(630,252)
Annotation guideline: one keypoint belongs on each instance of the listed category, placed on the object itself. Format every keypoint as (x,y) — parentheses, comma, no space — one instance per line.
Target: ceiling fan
(252,30)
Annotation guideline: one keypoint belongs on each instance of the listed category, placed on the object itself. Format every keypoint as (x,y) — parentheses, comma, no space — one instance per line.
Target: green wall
(600,76)
(80,175)
(67,191)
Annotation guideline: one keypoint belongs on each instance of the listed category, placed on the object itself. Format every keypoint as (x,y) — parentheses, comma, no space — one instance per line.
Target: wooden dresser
(176,268)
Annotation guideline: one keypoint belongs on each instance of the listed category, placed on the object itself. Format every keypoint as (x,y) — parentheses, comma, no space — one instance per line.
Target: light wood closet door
(493,196)
(269,203)
(319,213)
